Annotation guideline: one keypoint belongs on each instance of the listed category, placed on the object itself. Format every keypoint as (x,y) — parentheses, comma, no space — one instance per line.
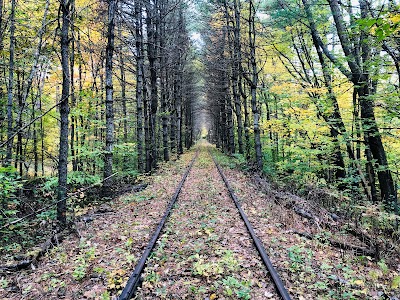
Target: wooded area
(99,94)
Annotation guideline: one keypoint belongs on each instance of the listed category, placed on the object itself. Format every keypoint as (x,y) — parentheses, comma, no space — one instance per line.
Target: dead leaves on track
(311,269)
(205,251)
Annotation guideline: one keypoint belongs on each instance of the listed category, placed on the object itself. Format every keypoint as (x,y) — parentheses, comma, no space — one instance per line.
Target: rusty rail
(280,287)
(134,280)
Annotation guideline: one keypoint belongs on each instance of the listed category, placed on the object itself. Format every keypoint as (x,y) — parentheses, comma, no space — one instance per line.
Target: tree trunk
(151,22)
(361,79)
(10,131)
(108,157)
(21,107)
(164,85)
(139,85)
(253,86)
(64,111)
(235,75)
(73,97)
(246,119)
(123,88)
(81,136)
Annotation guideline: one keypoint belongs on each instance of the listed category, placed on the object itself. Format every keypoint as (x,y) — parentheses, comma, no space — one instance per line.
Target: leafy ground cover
(205,251)
(95,262)
(315,269)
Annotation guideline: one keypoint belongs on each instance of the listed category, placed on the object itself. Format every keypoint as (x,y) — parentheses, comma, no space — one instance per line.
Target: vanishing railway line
(135,279)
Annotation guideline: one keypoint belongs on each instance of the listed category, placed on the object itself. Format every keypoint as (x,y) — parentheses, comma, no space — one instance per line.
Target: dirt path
(205,251)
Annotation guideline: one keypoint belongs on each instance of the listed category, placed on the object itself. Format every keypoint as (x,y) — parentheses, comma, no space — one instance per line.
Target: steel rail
(260,248)
(134,280)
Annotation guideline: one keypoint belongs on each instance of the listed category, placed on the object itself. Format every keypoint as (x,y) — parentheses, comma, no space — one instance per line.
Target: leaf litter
(312,269)
(204,252)
(96,262)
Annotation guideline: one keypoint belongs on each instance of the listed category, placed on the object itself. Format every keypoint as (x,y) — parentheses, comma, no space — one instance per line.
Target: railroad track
(135,279)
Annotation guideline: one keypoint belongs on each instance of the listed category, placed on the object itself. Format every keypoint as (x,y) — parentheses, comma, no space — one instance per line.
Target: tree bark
(235,75)
(64,112)
(228,81)
(360,77)
(73,97)
(151,22)
(108,157)
(164,84)
(10,91)
(139,85)
(253,86)
(123,89)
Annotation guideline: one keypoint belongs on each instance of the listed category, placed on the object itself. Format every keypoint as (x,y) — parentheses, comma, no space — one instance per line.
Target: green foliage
(235,161)
(9,184)
(82,261)
(50,214)
(298,257)
(75,178)
(232,286)
(226,264)
(375,218)
(3,283)
(79,271)
(382,27)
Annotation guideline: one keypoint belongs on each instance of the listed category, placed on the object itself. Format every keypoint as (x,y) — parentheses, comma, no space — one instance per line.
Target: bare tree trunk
(246,117)
(179,100)
(164,84)
(64,111)
(253,86)
(147,139)
(178,106)
(108,157)
(139,85)
(21,107)
(73,97)
(151,22)
(35,143)
(228,75)
(81,136)
(123,89)
(10,87)
(173,132)
(236,69)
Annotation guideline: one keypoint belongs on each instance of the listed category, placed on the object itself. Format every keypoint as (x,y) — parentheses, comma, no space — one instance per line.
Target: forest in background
(101,92)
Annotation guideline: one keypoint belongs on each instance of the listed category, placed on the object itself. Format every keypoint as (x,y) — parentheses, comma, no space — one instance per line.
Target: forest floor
(204,251)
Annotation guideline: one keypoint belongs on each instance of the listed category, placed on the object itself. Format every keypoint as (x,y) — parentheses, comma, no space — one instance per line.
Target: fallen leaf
(268,294)
(395,282)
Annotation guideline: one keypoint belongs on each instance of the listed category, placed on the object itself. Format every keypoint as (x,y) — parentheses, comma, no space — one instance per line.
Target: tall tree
(65,9)
(253,84)
(236,81)
(359,74)
(139,84)
(108,157)
(152,27)
(10,92)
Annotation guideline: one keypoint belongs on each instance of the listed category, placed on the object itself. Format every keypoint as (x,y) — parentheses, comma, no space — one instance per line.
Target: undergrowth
(28,206)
